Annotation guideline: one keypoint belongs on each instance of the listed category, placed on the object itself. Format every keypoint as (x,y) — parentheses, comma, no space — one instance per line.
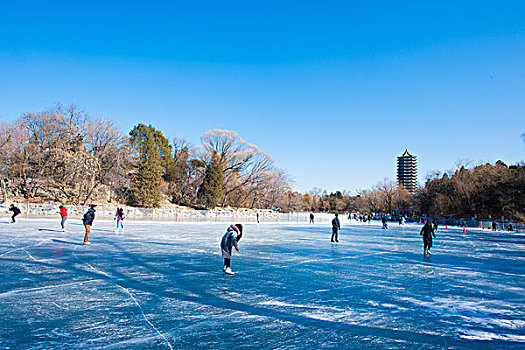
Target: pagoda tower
(407,171)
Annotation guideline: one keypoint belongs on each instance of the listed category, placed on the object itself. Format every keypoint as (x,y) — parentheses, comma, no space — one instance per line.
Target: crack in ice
(131,296)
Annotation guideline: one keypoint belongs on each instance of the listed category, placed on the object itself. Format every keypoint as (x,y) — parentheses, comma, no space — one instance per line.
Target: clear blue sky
(334,91)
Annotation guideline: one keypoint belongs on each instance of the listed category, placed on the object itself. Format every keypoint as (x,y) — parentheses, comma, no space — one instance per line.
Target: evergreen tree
(211,188)
(138,137)
(148,176)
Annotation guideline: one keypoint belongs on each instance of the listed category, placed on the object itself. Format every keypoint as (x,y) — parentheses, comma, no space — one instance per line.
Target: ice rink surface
(160,286)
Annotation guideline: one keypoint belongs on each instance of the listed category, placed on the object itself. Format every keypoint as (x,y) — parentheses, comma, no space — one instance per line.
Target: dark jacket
(15,210)
(89,216)
(336,224)
(119,215)
(427,232)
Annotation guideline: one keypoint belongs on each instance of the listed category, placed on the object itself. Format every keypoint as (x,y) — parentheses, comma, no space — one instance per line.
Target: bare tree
(371,201)
(244,165)
(432,174)
(6,134)
(464,163)
(62,154)
(387,192)
(179,175)
(108,152)
(316,191)
(403,199)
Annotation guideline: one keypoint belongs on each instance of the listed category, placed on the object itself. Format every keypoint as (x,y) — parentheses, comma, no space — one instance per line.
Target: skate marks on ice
(305,320)
(290,290)
(112,280)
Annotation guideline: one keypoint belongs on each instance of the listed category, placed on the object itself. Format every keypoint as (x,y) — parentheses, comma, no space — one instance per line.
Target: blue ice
(160,286)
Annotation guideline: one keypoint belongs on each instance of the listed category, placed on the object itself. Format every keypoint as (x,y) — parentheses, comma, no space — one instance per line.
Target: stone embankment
(33,210)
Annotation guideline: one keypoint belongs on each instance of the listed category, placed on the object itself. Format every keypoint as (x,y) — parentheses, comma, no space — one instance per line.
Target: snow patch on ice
(301,306)
(460,305)
(491,322)
(488,336)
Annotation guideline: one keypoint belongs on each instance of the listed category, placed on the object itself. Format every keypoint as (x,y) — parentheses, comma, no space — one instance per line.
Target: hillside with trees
(64,155)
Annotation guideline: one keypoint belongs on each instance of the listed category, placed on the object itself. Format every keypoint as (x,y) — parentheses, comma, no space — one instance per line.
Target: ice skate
(429,253)
(87,243)
(229,271)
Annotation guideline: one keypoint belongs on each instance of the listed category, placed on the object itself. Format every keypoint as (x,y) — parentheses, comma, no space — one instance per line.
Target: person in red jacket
(63,214)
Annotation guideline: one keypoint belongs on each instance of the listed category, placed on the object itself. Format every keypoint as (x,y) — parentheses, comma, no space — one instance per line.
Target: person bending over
(230,239)
(15,211)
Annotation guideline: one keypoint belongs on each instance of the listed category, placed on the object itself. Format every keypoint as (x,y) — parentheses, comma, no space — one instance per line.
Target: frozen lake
(160,286)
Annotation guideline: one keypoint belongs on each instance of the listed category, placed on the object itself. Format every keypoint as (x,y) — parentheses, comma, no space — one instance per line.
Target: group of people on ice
(233,235)
(230,240)
(87,219)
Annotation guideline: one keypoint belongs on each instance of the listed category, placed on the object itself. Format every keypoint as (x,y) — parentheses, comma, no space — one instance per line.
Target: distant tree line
(483,192)
(65,155)
(486,191)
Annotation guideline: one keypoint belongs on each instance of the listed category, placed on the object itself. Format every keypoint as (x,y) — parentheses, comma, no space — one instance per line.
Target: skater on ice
(15,211)
(336,226)
(87,220)
(230,239)
(63,215)
(311,218)
(120,216)
(385,225)
(427,232)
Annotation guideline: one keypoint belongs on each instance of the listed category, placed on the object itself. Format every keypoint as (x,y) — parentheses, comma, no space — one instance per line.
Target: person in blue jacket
(230,239)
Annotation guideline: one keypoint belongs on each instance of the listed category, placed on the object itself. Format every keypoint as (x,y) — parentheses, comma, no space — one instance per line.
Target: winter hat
(239,226)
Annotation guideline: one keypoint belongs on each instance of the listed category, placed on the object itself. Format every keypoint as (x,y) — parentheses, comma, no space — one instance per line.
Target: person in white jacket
(230,239)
